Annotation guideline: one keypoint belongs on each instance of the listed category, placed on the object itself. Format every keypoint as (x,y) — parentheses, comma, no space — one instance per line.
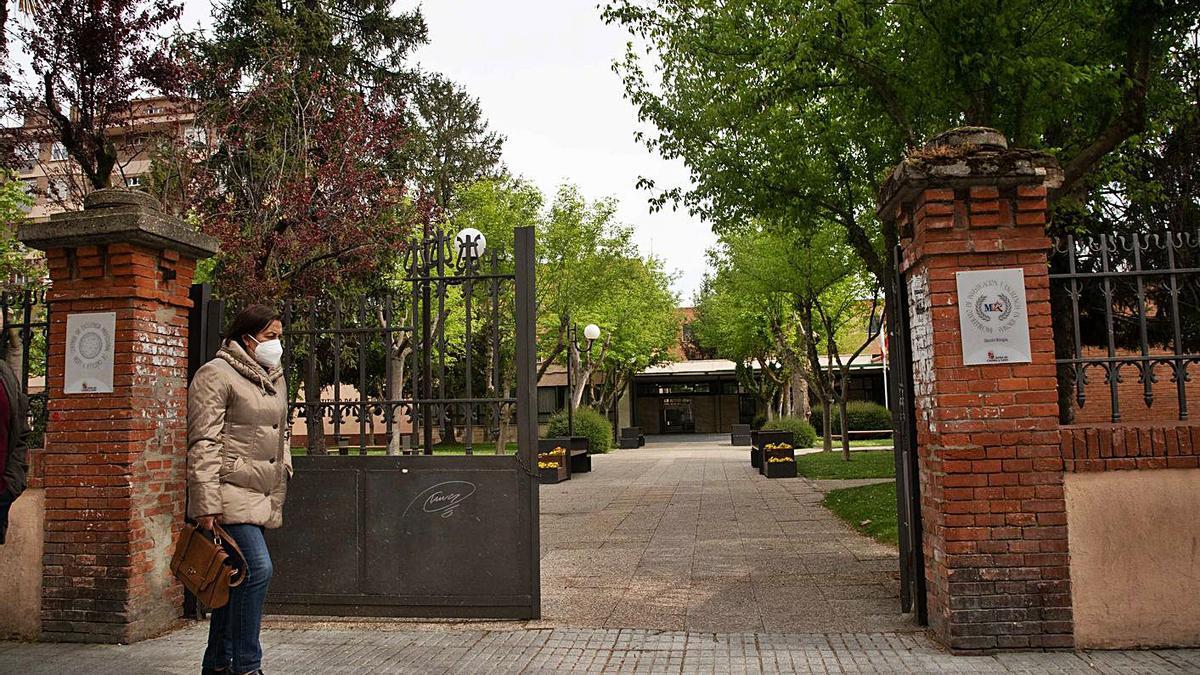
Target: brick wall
(1131,395)
(990,467)
(113,466)
(1123,447)
(114,463)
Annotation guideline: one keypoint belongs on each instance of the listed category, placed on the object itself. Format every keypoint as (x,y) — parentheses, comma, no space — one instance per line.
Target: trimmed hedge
(588,423)
(803,434)
(863,416)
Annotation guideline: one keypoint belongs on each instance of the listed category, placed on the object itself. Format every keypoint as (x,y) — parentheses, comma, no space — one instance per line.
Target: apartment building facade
(56,181)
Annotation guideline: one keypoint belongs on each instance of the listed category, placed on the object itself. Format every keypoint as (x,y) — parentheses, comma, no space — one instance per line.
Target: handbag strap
(219,533)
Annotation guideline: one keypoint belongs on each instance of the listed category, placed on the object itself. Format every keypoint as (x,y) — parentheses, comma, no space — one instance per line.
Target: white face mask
(268,353)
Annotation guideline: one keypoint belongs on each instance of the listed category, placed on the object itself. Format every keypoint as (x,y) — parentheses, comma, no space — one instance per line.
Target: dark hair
(250,321)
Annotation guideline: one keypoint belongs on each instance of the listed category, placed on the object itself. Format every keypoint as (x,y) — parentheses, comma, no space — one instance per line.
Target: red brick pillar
(991,473)
(114,462)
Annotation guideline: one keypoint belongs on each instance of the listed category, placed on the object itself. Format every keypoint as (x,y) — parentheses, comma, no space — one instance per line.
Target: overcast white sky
(542,71)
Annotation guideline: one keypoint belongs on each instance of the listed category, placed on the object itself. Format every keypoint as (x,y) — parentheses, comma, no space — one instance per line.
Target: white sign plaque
(90,350)
(992,317)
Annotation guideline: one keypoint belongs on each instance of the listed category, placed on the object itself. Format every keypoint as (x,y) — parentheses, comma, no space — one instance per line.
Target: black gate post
(908,484)
(204,339)
(204,327)
(527,430)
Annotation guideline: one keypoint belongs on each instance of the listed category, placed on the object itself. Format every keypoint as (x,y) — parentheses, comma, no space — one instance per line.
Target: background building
(57,182)
(694,394)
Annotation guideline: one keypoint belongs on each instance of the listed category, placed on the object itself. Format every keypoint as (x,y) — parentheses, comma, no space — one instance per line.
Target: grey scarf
(233,354)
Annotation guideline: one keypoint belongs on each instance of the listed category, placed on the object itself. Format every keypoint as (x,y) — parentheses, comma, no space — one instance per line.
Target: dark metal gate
(380,520)
(908,490)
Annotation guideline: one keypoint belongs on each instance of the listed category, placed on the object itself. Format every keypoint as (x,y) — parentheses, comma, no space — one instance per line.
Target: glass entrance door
(677,416)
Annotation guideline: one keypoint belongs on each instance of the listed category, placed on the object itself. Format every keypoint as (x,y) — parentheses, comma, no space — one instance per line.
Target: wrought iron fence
(1127,305)
(398,369)
(26,332)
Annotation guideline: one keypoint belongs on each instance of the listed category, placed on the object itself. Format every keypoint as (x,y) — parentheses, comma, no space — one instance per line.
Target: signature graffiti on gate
(443,498)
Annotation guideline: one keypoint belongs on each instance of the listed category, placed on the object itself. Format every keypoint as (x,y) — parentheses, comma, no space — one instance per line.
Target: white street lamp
(471,243)
(591,333)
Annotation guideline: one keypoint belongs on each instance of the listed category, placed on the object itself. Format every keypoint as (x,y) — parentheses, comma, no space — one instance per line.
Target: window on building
(195,137)
(58,153)
(28,188)
(26,155)
(675,388)
(550,401)
(133,181)
(59,190)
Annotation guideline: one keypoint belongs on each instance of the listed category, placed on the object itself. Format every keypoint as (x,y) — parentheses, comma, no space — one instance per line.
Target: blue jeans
(233,629)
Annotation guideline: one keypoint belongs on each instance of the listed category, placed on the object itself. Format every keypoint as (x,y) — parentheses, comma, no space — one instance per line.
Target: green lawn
(867,464)
(440,449)
(870,509)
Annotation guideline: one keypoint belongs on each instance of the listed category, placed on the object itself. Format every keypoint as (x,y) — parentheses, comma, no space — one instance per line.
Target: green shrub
(863,416)
(759,421)
(803,434)
(588,423)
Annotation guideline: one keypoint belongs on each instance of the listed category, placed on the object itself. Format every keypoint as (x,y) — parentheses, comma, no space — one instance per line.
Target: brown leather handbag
(202,565)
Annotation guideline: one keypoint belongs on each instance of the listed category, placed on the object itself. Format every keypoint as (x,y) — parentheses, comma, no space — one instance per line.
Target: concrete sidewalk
(466,650)
(683,535)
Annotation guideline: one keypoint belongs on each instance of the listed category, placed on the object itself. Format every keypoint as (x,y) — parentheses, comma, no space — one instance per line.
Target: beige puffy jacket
(238,461)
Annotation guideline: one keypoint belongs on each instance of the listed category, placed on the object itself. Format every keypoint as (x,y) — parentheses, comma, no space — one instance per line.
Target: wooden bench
(739,435)
(631,437)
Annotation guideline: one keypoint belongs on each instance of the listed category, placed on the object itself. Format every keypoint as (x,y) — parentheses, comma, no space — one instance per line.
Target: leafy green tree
(801,299)
(639,324)
(783,110)
(588,271)
(20,268)
(90,61)
(580,247)
(451,146)
(735,324)
(362,40)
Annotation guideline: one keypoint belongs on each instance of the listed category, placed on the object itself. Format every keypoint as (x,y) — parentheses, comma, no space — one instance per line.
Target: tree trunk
(14,351)
(842,405)
(785,399)
(314,420)
(506,411)
(396,386)
(800,404)
(826,411)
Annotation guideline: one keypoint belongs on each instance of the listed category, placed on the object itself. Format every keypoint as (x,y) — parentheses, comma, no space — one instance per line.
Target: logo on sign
(89,345)
(993,308)
(998,307)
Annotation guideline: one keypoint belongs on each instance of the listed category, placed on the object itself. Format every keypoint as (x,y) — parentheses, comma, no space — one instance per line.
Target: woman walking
(238,469)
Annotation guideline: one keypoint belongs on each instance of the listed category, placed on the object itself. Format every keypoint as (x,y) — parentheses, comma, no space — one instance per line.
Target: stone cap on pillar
(115,215)
(964,157)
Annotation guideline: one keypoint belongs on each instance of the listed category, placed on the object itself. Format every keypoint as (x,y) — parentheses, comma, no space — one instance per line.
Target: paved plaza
(673,558)
(683,534)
